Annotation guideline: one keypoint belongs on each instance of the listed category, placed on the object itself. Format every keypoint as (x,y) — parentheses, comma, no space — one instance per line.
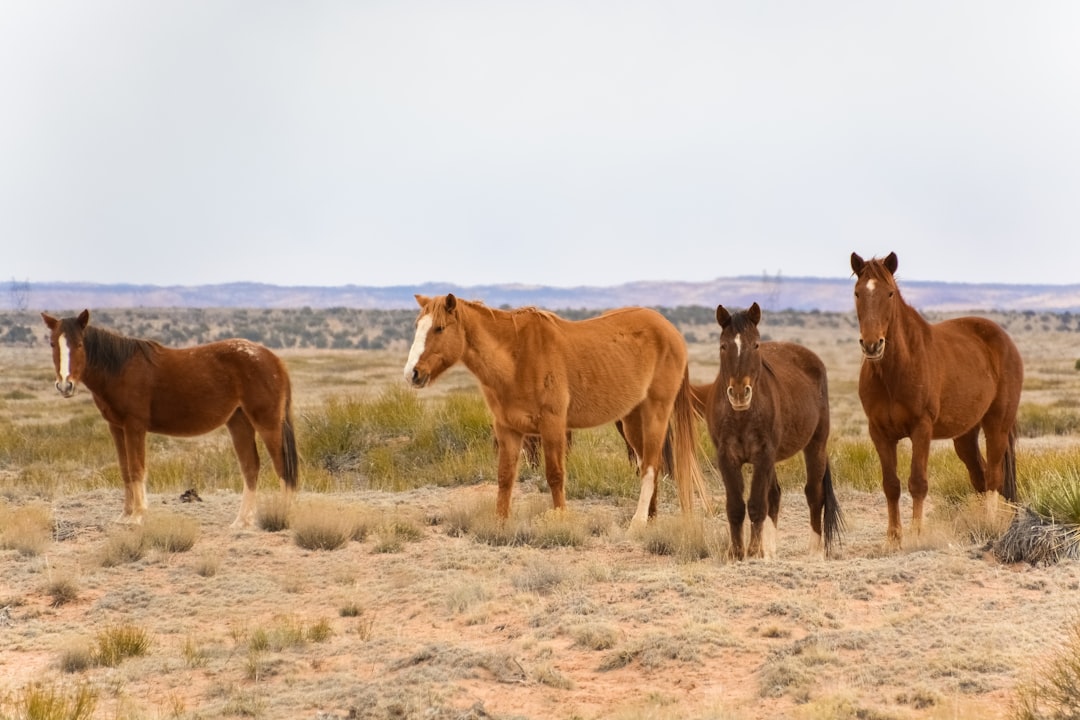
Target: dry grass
(26,529)
(430,607)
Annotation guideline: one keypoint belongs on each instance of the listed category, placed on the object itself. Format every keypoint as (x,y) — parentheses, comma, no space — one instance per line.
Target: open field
(418,619)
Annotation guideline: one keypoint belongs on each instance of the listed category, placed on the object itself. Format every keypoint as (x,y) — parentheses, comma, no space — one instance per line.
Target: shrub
(1053,689)
(320,526)
(119,642)
(48,702)
(273,514)
(127,545)
(25,529)
(63,589)
(170,532)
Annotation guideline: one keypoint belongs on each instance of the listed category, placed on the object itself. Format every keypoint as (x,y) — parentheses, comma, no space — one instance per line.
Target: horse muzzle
(740,402)
(874,350)
(418,379)
(66,388)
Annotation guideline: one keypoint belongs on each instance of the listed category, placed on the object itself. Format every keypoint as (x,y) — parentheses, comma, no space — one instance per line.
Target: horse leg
(967,449)
(890,484)
(770,535)
(645,425)
(134,491)
(554,446)
(918,481)
(509,456)
(763,486)
(247,453)
(998,446)
(277,436)
(734,505)
(816,460)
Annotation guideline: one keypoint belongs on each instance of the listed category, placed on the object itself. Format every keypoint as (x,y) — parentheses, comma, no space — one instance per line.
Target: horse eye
(439,329)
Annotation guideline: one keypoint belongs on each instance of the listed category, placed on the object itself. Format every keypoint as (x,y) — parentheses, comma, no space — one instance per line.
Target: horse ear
(722,316)
(451,302)
(891,263)
(422,300)
(84,319)
(857,263)
(754,313)
(50,321)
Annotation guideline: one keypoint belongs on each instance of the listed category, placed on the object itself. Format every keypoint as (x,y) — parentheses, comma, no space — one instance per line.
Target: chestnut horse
(143,387)
(925,381)
(543,375)
(769,401)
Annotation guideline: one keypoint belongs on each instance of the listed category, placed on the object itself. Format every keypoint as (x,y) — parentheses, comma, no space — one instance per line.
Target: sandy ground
(447,627)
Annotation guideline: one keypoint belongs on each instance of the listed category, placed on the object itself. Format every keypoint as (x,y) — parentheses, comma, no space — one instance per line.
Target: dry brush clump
(27,529)
(1051,691)
(47,701)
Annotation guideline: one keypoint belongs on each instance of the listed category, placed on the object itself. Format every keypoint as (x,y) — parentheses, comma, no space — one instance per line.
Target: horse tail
(682,444)
(290,458)
(700,394)
(833,522)
(1008,486)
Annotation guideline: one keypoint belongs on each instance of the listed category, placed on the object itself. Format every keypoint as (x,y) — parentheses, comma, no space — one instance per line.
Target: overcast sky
(557,143)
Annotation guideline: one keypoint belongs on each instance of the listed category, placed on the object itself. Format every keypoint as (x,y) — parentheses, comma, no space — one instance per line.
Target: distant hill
(803,294)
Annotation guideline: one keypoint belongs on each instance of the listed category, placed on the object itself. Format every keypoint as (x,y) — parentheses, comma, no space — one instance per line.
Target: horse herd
(543,376)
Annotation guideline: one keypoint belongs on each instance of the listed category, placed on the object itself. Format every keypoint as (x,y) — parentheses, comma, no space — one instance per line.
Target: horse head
(69,355)
(876,298)
(439,341)
(740,361)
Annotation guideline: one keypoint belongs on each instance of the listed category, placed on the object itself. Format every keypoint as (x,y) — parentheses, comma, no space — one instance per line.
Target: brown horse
(926,381)
(143,387)
(543,375)
(769,401)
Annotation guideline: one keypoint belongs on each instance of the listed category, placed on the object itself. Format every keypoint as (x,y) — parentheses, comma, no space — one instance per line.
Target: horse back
(602,367)
(188,391)
(798,383)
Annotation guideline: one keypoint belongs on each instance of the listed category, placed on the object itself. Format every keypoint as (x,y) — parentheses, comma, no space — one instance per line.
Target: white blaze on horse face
(738,345)
(65,359)
(422,328)
(871,284)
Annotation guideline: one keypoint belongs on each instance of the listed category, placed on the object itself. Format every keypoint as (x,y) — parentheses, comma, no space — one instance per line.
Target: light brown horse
(143,387)
(769,401)
(924,381)
(543,375)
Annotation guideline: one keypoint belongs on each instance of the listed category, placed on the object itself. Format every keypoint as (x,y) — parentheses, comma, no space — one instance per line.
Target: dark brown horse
(769,401)
(143,387)
(543,375)
(924,381)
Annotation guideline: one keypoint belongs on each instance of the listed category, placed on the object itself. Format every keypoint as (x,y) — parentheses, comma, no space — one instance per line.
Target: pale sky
(577,142)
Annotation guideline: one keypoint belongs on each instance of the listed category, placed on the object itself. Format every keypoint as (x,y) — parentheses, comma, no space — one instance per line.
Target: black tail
(288,449)
(834,524)
(1008,486)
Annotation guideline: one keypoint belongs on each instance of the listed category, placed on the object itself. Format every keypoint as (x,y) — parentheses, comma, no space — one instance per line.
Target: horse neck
(490,336)
(107,353)
(910,339)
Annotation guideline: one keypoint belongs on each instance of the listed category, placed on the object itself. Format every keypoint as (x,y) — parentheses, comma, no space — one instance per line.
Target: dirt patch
(450,628)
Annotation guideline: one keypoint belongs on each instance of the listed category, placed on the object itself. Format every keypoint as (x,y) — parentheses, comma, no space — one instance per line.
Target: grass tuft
(26,529)
(1052,690)
(49,702)
(119,642)
(171,532)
